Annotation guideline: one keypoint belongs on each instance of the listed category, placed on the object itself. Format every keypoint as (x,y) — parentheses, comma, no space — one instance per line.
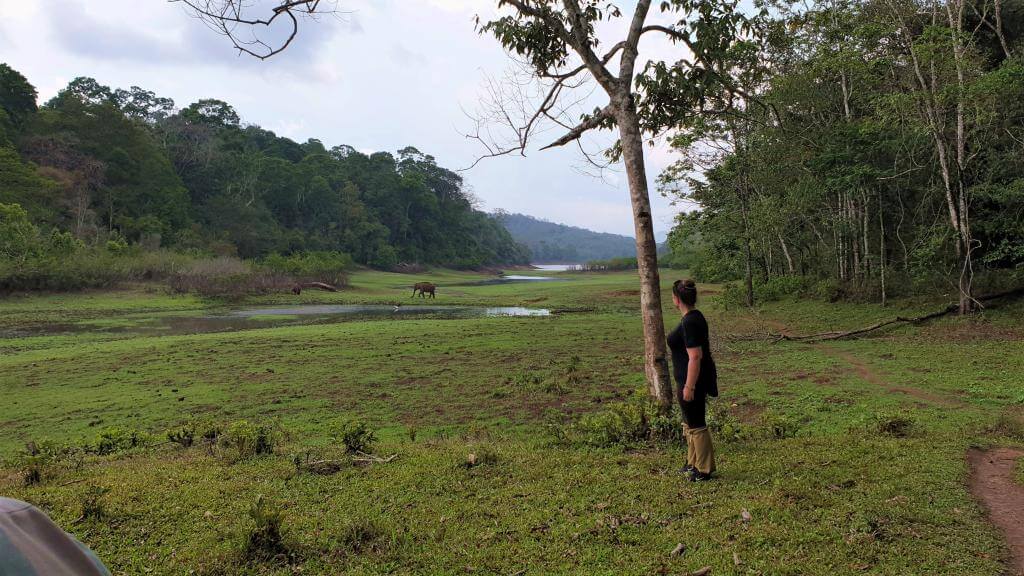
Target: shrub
(116,439)
(626,423)
(357,436)
(329,267)
(36,457)
(244,439)
(183,435)
(622,424)
(895,424)
(779,426)
(726,428)
(573,376)
(734,295)
(93,506)
(265,540)
(211,432)
(227,276)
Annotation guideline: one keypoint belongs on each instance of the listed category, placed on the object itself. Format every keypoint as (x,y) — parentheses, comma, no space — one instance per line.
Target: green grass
(830,495)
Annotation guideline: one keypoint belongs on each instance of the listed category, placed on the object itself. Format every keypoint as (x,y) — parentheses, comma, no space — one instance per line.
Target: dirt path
(872,376)
(992,483)
(869,374)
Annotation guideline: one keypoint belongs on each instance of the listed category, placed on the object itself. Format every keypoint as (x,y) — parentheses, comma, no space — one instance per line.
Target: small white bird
(397,306)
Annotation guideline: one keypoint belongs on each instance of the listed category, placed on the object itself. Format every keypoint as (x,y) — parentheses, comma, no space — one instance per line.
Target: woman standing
(697,378)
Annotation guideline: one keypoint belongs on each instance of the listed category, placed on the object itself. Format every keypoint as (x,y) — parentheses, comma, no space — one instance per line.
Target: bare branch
(233,18)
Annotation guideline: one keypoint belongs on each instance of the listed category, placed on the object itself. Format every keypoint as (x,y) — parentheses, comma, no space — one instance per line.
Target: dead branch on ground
(839,335)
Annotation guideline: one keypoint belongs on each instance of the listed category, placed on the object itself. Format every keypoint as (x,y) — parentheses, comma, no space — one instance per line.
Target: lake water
(525,278)
(553,267)
(388,311)
(268,316)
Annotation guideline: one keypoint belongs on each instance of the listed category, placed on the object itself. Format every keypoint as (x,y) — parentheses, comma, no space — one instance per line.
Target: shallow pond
(266,316)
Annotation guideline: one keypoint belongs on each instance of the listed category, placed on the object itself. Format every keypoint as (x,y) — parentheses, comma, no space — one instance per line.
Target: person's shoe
(688,470)
(698,476)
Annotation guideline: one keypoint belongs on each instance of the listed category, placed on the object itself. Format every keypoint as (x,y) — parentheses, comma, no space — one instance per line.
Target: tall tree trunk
(881,246)
(999,28)
(748,275)
(866,226)
(748,272)
(955,13)
(785,252)
(655,360)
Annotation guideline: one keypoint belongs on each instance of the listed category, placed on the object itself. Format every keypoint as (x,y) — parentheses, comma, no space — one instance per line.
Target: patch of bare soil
(992,483)
(746,412)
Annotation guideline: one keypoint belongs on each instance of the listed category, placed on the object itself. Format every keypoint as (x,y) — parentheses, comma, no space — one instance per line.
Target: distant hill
(557,243)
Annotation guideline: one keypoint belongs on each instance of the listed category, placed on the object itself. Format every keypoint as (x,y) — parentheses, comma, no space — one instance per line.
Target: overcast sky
(386,74)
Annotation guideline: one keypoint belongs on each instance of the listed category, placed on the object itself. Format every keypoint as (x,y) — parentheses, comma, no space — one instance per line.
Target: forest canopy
(113,164)
(878,149)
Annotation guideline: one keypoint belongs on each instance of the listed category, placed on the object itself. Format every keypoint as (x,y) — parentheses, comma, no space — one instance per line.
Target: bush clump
(265,541)
(183,436)
(116,439)
(243,439)
(93,504)
(318,266)
(227,276)
(357,436)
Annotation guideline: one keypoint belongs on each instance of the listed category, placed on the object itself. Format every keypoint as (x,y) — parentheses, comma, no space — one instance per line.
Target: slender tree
(560,45)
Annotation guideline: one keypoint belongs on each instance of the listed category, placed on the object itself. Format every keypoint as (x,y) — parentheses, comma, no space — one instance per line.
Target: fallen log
(839,335)
(297,289)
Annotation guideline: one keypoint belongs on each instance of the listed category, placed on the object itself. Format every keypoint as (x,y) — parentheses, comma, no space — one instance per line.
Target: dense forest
(557,243)
(877,148)
(127,166)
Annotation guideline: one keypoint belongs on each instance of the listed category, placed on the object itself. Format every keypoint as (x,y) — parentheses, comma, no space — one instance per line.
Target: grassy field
(503,445)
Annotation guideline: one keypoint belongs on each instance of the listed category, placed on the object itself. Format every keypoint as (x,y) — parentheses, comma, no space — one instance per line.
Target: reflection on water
(262,317)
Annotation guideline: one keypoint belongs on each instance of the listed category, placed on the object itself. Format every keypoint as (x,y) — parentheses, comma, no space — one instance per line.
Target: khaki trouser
(700,453)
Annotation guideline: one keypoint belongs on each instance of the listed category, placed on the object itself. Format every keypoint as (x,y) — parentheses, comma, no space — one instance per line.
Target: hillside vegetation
(559,243)
(128,167)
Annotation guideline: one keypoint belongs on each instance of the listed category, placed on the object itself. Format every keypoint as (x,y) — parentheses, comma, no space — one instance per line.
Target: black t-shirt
(692,332)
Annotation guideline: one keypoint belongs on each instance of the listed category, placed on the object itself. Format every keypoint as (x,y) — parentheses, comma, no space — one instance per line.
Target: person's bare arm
(692,372)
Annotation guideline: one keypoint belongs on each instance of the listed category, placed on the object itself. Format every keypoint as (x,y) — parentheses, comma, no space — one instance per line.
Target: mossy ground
(826,492)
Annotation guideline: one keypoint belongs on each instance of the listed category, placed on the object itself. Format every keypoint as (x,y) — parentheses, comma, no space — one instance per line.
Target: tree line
(128,165)
(877,148)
